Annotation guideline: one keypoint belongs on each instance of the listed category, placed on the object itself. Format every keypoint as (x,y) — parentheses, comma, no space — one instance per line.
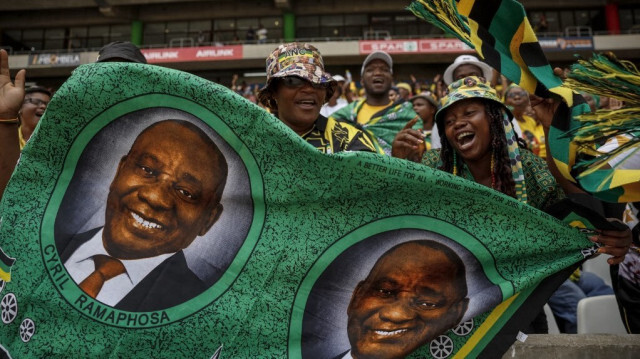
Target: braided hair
(503,178)
(265,98)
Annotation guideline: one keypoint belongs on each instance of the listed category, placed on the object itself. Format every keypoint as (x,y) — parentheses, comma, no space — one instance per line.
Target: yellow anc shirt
(367,111)
(20,138)
(533,135)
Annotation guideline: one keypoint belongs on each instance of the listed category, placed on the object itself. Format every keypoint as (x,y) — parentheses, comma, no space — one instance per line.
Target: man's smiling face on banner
(164,194)
(412,294)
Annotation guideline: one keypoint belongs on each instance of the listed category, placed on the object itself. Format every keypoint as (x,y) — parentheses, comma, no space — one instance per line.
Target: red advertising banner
(440,46)
(443,46)
(436,46)
(187,54)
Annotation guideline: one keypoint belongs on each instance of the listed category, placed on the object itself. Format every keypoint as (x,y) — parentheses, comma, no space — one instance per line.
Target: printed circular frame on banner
(397,226)
(246,169)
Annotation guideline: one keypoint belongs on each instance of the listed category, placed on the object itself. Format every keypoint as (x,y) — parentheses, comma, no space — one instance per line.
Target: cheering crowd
(470,122)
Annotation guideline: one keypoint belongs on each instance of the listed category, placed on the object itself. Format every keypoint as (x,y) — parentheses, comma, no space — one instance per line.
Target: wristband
(10,121)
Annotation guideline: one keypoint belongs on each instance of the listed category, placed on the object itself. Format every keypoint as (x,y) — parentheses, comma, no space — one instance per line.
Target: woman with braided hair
(479,144)
(500,164)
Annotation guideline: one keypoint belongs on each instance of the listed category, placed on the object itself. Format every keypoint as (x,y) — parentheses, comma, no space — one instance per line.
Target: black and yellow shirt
(331,136)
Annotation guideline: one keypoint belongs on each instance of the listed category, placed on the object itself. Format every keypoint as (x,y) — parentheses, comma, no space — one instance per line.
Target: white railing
(578,31)
(181,41)
(377,35)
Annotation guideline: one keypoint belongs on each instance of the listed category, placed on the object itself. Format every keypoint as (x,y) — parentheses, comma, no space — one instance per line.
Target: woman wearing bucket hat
(479,144)
(297,87)
(425,105)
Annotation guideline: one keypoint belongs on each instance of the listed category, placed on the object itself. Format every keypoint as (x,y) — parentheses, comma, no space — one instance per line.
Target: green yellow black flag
(501,34)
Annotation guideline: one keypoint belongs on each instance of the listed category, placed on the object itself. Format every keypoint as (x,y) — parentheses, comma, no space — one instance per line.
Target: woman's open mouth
(465,139)
(306,104)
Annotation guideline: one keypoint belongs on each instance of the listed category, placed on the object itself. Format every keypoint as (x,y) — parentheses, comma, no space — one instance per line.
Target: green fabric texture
(299,229)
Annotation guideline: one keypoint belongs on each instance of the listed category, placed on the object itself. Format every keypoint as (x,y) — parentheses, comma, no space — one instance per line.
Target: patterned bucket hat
(297,59)
(466,88)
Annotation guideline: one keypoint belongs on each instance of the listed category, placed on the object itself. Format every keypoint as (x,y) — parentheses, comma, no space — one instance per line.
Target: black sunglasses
(297,82)
(36,101)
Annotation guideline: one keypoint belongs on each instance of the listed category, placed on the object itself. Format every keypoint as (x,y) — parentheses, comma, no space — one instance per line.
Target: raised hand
(11,95)
(408,143)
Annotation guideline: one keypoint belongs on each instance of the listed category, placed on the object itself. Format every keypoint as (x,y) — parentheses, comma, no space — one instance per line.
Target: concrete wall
(576,346)
(617,42)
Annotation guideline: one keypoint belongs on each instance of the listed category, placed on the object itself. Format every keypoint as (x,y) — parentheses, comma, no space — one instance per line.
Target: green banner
(156,214)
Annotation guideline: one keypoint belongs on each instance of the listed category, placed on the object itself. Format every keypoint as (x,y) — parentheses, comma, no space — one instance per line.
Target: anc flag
(156,214)
(501,34)
(384,125)
(616,163)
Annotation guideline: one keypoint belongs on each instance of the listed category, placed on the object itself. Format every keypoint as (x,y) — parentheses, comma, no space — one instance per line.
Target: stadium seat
(598,266)
(551,320)
(599,315)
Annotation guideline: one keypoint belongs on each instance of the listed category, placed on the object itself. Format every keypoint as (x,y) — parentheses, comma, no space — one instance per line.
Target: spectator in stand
(251,35)
(416,87)
(541,24)
(297,87)
(121,51)
(426,106)
(200,38)
(234,80)
(464,66)
(610,103)
(394,94)
(262,34)
(377,77)
(438,87)
(336,101)
(592,100)
(405,90)
(517,100)
(380,117)
(35,102)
